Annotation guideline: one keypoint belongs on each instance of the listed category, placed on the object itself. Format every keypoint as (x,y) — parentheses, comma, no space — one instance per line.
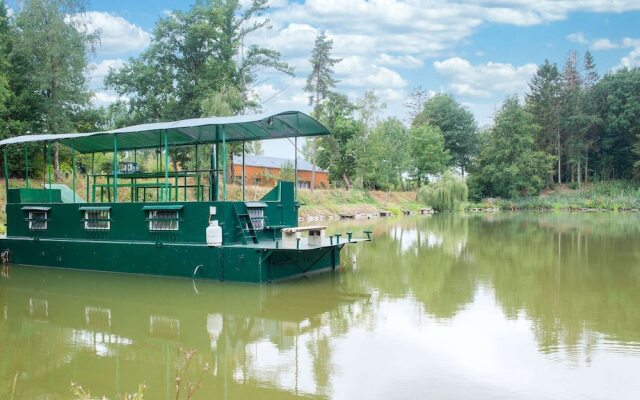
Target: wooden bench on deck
(290,236)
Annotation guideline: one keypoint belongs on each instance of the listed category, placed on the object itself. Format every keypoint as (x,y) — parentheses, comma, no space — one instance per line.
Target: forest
(572,127)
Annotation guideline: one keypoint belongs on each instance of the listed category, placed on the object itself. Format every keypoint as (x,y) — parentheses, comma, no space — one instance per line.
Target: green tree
(457,125)
(616,100)
(509,164)
(446,194)
(5,48)
(54,43)
(428,153)
(320,84)
(336,152)
(386,155)
(192,56)
(543,101)
(192,62)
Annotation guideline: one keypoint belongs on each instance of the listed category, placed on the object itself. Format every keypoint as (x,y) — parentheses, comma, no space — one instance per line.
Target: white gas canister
(214,234)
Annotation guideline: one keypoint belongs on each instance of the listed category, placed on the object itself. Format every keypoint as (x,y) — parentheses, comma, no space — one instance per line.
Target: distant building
(262,170)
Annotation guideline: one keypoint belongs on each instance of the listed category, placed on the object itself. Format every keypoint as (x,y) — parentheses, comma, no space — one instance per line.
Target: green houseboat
(168,222)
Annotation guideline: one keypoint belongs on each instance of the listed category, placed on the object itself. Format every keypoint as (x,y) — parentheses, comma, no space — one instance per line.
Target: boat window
(97,220)
(37,220)
(163,220)
(257,217)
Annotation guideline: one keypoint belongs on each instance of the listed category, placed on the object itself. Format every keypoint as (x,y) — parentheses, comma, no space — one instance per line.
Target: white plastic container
(214,234)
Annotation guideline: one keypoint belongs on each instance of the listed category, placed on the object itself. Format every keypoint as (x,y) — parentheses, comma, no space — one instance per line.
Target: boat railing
(183,185)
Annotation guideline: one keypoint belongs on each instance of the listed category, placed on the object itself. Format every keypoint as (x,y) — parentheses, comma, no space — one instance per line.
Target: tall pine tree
(320,83)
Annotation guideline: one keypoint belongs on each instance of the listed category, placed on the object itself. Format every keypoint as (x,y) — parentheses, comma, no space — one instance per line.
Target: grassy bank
(612,195)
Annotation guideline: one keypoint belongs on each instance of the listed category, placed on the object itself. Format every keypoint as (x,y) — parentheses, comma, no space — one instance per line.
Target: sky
(480,51)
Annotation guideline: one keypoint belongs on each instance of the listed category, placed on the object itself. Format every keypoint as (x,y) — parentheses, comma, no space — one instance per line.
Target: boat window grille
(37,220)
(257,218)
(99,220)
(163,220)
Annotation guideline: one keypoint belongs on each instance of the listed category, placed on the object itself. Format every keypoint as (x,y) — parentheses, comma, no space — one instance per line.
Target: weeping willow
(447,194)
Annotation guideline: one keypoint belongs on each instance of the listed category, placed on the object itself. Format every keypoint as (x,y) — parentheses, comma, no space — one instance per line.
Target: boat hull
(256,264)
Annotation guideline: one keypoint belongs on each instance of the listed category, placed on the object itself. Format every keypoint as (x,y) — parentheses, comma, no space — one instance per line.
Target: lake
(493,306)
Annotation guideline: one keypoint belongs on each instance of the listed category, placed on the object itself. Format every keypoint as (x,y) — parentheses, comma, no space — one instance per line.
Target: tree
(320,83)
(416,101)
(428,153)
(56,45)
(543,101)
(509,164)
(457,125)
(192,63)
(336,151)
(386,155)
(192,56)
(571,118)
(616,102)
(5,48)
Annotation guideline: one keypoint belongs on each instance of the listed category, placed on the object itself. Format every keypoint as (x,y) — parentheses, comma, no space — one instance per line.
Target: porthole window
(37,220)
(163,220)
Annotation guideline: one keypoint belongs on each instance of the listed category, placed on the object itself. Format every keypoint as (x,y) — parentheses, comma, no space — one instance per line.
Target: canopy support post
(49,172)
(217,175)
(224,165)
(197,176)
(166,166)
(243,171)
(295,169)
(6,174)
(115,168)
(26,163)
(93,162)
(73,170)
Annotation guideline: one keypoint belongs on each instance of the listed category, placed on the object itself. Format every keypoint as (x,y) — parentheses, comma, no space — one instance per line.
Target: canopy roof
(187,132)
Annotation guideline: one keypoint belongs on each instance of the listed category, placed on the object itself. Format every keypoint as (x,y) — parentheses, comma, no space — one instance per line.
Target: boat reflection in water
(110,333)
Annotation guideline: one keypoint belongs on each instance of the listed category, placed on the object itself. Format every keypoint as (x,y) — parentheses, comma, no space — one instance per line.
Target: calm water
(526,306)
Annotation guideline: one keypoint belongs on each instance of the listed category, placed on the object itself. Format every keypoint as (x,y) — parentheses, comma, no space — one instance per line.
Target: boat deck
(304,244)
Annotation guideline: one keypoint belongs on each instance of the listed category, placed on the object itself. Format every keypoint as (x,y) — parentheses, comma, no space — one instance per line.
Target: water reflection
(479,306)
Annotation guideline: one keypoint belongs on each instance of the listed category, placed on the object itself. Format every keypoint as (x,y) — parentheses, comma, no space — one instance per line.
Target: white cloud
(100,70)
(577,37)
(402,61)
(10,12)
(117,35)
(101,99)
(603,44)
(484,80)
(356,71)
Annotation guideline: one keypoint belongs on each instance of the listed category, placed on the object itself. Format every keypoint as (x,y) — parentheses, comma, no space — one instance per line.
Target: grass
(609,195)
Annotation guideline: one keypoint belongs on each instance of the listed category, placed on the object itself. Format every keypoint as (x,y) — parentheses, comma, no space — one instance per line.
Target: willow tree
(320,83)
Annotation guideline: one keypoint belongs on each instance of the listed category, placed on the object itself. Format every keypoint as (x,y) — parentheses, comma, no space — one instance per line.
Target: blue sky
(478,50)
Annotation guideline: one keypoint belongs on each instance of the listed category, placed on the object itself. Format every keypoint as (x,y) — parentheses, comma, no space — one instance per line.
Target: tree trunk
(586,168)
(347,182)
(56,162)
(579,173)
(313,164)
(559,159)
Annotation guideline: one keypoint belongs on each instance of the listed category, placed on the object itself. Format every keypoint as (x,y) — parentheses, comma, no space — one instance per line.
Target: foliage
(457,125)
(383,169)
(509,165)
(449,193)
(428,153)
(192,58)
(336,152)
(287,172)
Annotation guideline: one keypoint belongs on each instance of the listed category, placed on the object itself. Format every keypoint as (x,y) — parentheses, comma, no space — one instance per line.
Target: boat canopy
(187,132)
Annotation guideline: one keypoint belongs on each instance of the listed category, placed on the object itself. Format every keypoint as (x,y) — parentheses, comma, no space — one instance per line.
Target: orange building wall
(252,173)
